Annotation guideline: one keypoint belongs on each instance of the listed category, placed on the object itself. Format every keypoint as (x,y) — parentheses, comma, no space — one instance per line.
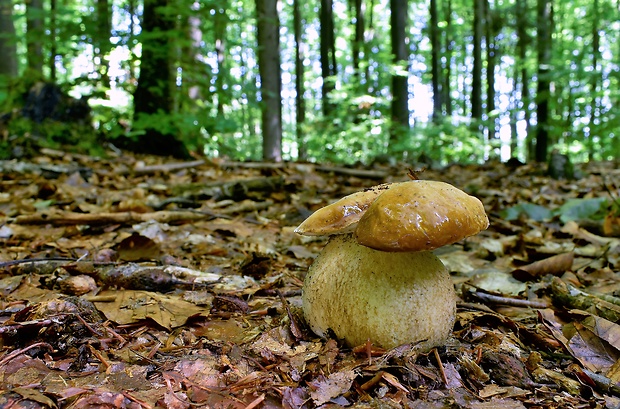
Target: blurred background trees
(325,80)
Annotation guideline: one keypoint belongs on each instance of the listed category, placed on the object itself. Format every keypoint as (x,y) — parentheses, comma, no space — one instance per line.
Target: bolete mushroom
(376,279)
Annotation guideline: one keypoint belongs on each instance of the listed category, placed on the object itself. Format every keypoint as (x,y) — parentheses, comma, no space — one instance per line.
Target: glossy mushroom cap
(420,215)
(342,216)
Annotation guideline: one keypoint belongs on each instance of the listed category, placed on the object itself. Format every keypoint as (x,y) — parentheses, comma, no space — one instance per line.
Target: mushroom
(377,279)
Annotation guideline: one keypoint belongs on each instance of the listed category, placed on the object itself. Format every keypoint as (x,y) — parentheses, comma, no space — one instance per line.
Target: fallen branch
(98,219)
(167,167)
(360,173)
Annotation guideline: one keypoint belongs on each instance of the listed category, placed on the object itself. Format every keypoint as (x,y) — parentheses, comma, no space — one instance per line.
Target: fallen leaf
(326,389)
(133,306)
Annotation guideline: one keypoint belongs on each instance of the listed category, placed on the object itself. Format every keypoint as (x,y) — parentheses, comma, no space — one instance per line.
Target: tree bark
(153,95)
(53,26)
(328,54)
(34,36)
(543,92)
(491,43)
(595,105)
(358,39)
(400,52)
(300,107)
(268,34)
(435,61)
(476,81)
(523,41)
(220,22)
(191,56)
(448,52)
(8,41)
(102,40)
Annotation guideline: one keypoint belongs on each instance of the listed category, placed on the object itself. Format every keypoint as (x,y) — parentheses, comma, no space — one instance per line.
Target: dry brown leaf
(134,306)
(325,389)
(554,265)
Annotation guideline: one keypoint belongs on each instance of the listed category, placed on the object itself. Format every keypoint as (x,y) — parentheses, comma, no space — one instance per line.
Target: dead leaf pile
(132,282)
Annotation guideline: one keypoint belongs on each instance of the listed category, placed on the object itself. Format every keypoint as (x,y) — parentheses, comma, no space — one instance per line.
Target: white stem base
(388,298)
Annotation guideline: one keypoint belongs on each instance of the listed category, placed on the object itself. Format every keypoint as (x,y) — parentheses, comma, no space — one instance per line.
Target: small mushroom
(376,279)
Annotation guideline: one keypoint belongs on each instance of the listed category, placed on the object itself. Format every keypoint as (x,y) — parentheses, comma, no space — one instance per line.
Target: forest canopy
(339,81)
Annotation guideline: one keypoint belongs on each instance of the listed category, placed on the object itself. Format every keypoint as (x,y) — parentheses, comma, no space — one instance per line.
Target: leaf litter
(140,283)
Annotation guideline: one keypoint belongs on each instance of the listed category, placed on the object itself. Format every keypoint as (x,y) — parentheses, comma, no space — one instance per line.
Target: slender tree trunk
(328,54)
(371,83)
(435,61)
(492,47)
(447,69)
(476,81)
(191,55)
(543,93)
(595,104)
(268,35)
(358,40)
(523,41)
(132,7)
(220,21)
(300,107)
(8,41)
(102,40)
(34,36)
(400,52)
(53,40)
(153,95)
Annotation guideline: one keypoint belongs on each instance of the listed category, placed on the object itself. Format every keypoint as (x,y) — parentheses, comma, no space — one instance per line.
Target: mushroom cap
(342,216)
(420,215)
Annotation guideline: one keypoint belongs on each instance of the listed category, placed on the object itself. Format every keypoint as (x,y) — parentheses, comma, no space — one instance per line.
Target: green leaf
(580,209)
(532,211)
(44,204)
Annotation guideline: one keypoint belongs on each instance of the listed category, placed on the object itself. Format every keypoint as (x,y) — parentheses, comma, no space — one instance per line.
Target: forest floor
(153,284)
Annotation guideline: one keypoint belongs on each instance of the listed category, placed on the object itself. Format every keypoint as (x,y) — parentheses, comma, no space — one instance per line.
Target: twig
(514,302)
(372,382)
(440,366)
(168,167)
(256,402)
(98,219)
(21,351)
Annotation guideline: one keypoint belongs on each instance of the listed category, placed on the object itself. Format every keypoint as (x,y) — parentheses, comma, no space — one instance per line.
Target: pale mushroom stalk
(376,279)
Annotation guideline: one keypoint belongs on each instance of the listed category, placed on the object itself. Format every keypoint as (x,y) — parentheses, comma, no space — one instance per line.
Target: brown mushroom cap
(341,216)
(420,215)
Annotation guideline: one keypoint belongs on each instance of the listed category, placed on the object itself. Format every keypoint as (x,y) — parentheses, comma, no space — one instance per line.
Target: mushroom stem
(390,298)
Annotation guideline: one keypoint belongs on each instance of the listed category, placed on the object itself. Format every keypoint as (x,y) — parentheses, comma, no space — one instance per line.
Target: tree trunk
(491,30)
(476,81)
(102,40)
(400,89)
(153,94)
(34,36)
(328,54)
(372,84)
(268,34)
(300,107)
(8,41)
(435,61)
(358,39)
(595,104)
(523,41)
(447,69)
(543,93)
(53,20)
(220,22)
(191,56)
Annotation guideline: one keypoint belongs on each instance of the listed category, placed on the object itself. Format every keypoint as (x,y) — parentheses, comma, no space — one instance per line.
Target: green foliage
(529,210)
(216,82)
(573,210)
(582,209)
